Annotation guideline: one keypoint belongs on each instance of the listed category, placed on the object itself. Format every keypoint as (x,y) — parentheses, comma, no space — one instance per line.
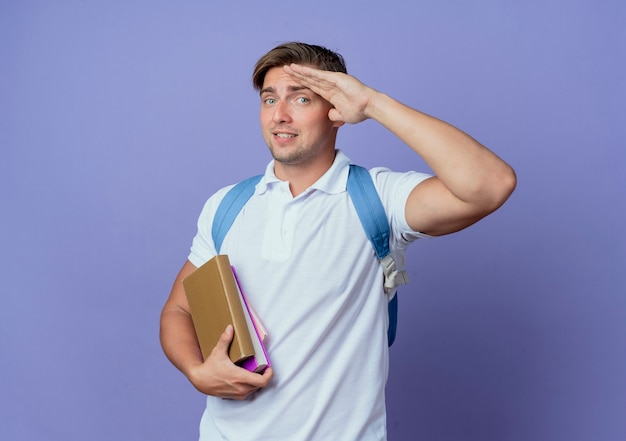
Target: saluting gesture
(350,98)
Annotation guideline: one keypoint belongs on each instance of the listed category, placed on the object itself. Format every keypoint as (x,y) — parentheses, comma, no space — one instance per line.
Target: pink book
(259,361)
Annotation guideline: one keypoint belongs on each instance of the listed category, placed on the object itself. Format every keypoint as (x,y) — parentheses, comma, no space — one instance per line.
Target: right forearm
(179,341)
(217,375)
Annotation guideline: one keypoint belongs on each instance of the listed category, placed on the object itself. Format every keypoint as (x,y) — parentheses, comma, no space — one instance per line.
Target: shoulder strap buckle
(393,277)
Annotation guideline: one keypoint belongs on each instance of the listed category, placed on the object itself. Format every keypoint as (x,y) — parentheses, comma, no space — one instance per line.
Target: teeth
(285,135)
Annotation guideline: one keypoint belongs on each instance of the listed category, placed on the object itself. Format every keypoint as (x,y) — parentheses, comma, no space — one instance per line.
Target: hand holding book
(218,376)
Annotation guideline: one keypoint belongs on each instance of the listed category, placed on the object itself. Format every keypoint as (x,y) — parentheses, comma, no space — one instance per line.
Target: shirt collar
(333,181)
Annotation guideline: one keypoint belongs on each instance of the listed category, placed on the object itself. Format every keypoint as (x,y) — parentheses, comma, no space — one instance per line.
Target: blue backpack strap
(369,208)
(230,207)
(374,220)
(392,310)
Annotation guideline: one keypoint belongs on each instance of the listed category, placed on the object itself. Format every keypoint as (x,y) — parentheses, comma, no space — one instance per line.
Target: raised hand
(352,100)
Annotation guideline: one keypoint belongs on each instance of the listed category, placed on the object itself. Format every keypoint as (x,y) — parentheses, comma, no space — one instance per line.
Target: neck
(302,176)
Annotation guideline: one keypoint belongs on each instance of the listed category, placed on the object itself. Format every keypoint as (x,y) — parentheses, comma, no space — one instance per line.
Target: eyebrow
(291,89)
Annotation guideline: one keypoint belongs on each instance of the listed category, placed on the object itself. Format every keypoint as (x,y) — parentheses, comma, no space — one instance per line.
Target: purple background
(118,119)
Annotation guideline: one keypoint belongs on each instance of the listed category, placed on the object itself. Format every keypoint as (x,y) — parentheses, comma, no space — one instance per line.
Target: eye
(302,100)
(269,101)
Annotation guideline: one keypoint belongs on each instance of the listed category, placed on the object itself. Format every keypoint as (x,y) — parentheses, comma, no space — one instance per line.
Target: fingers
(244,384)
(350,98)
(256,383)
(220,377)
(264,379)
(302,72)
(319,81)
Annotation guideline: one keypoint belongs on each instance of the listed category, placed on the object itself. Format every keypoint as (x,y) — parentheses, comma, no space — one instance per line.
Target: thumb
(225,340)
(334,115)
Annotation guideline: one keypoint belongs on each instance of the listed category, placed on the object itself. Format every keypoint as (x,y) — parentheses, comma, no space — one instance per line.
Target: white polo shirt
(311,274)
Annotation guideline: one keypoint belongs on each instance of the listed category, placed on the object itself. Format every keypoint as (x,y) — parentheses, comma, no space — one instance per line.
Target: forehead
(276,78)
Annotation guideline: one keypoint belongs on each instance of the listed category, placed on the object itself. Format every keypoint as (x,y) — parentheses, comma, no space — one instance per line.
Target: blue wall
(118,119)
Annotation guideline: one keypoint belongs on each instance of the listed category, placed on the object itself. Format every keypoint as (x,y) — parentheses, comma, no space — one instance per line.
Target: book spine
(242,339)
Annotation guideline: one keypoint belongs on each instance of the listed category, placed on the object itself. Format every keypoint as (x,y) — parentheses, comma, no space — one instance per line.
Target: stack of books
(217,300)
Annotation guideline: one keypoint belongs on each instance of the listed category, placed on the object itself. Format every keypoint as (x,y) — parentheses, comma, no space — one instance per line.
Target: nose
(281,112)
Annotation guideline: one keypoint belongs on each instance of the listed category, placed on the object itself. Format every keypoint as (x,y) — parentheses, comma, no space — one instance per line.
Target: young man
(307,266)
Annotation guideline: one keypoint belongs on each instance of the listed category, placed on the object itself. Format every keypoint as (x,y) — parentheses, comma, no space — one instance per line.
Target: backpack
(371,214)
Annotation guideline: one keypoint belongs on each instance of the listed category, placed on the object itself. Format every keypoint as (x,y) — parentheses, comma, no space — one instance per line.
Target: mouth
(284,135)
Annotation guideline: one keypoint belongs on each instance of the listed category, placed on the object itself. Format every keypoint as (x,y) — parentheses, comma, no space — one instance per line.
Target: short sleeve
(394,189)
(202,246)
